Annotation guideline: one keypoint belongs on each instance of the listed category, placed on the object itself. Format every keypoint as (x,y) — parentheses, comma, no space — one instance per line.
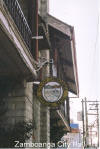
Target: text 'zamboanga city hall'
(33,46)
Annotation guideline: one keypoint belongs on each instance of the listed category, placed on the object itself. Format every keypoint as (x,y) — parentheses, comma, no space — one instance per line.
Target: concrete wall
(44,111)
(36,117)
(44,124)
(20,104)
(46,68)
(43,8)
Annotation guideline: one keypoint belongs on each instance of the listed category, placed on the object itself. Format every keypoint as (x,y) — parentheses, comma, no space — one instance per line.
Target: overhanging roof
(64,34)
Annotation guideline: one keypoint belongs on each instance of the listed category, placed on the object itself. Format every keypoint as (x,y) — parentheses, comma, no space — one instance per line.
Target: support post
(83,121)
(86,115)
(36,29)
(98,123)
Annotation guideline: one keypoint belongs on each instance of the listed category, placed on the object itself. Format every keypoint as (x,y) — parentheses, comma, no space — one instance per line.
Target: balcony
(16,57)
(20,20)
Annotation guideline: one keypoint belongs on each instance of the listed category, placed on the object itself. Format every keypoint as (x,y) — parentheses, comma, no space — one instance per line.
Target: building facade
(21,59)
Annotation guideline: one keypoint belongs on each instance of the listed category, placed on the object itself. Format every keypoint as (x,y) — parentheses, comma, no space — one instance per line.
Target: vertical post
(86,115)
(98,123)
(36,29)
(91,134)
(83,119)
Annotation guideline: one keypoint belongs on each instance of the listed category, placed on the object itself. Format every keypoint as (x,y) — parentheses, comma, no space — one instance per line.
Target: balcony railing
(19,19)
(64,108)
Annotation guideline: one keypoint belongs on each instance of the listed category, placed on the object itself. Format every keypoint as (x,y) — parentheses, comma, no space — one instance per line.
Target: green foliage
(21,131)
(56,131)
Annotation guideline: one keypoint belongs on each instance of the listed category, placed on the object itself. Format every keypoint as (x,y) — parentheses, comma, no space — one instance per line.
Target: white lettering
(17,142)
(21,144)
(27,145)
(59,144)
(62,144)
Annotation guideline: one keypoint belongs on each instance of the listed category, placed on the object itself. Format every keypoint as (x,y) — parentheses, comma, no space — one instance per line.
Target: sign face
(52,92)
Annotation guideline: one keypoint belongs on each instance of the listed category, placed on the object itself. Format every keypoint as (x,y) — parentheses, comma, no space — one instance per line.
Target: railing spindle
(20,20)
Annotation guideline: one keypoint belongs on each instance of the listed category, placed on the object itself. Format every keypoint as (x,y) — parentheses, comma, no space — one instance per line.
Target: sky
(84,16)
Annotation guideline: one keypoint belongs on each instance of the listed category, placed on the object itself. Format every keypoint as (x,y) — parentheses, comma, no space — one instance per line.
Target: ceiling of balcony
(11,63)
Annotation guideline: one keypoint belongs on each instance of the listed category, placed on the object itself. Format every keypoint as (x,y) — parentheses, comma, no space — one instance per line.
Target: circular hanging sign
(52,92)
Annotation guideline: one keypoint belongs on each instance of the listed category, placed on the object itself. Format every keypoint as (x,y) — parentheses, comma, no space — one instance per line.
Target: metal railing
(64,108)
(20,20)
